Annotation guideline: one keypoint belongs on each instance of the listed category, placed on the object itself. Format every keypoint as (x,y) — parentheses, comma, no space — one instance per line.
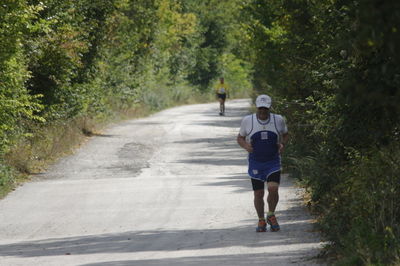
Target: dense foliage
(334,67)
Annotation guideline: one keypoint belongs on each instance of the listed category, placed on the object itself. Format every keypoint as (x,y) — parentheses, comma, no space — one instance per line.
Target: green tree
(16,105)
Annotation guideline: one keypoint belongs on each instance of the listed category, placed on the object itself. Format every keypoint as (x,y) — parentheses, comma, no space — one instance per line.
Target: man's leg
(258,188)
(273,181)
(259,202)
(273,195)
(220,105)
(259,205)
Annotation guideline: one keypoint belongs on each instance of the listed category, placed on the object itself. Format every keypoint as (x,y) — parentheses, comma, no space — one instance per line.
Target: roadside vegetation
(70,67)
(334,70)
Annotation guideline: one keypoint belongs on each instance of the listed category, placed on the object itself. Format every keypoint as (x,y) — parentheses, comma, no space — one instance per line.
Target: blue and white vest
(264,137)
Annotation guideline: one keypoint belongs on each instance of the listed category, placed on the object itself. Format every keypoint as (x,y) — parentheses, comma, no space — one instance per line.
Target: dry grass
(33,154)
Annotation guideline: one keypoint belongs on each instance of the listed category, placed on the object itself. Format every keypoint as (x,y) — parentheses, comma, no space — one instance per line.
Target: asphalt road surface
(170,189)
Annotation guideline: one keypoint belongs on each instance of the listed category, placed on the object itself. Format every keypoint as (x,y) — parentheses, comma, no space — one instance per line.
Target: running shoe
(262,226)
(271,220)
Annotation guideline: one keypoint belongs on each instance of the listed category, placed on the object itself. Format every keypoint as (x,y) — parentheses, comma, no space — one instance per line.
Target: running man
(221,90)
(264,135)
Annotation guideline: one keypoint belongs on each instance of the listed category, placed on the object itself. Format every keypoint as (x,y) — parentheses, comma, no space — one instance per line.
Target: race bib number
(264,135)
(221,90)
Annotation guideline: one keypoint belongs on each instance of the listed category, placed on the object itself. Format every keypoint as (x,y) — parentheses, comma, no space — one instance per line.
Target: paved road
(170,189)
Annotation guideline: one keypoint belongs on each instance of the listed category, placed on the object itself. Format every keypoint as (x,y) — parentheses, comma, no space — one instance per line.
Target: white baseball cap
(263,100)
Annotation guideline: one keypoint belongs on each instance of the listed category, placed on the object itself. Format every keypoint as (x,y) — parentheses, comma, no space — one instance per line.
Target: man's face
(262,113)
(221,80)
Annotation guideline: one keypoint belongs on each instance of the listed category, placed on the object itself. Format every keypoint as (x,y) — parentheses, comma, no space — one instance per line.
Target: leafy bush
(6,179)
(363,216)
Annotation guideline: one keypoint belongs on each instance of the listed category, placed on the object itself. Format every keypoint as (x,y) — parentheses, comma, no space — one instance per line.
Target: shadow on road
(255,258)
(240,182)
(174,240)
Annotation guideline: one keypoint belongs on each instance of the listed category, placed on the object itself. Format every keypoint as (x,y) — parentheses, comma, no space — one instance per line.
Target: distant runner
(221,90)
(264,135)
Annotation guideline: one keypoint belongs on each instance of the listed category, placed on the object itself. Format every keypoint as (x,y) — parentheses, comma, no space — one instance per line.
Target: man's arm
(285,139)
(244,144)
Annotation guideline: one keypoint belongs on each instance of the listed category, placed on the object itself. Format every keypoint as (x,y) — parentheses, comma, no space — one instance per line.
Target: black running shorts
(258,184)
(221,96)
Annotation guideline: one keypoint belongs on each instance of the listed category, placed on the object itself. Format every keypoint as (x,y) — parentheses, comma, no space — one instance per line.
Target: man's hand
(248,147)
(281,147)
(244,144)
